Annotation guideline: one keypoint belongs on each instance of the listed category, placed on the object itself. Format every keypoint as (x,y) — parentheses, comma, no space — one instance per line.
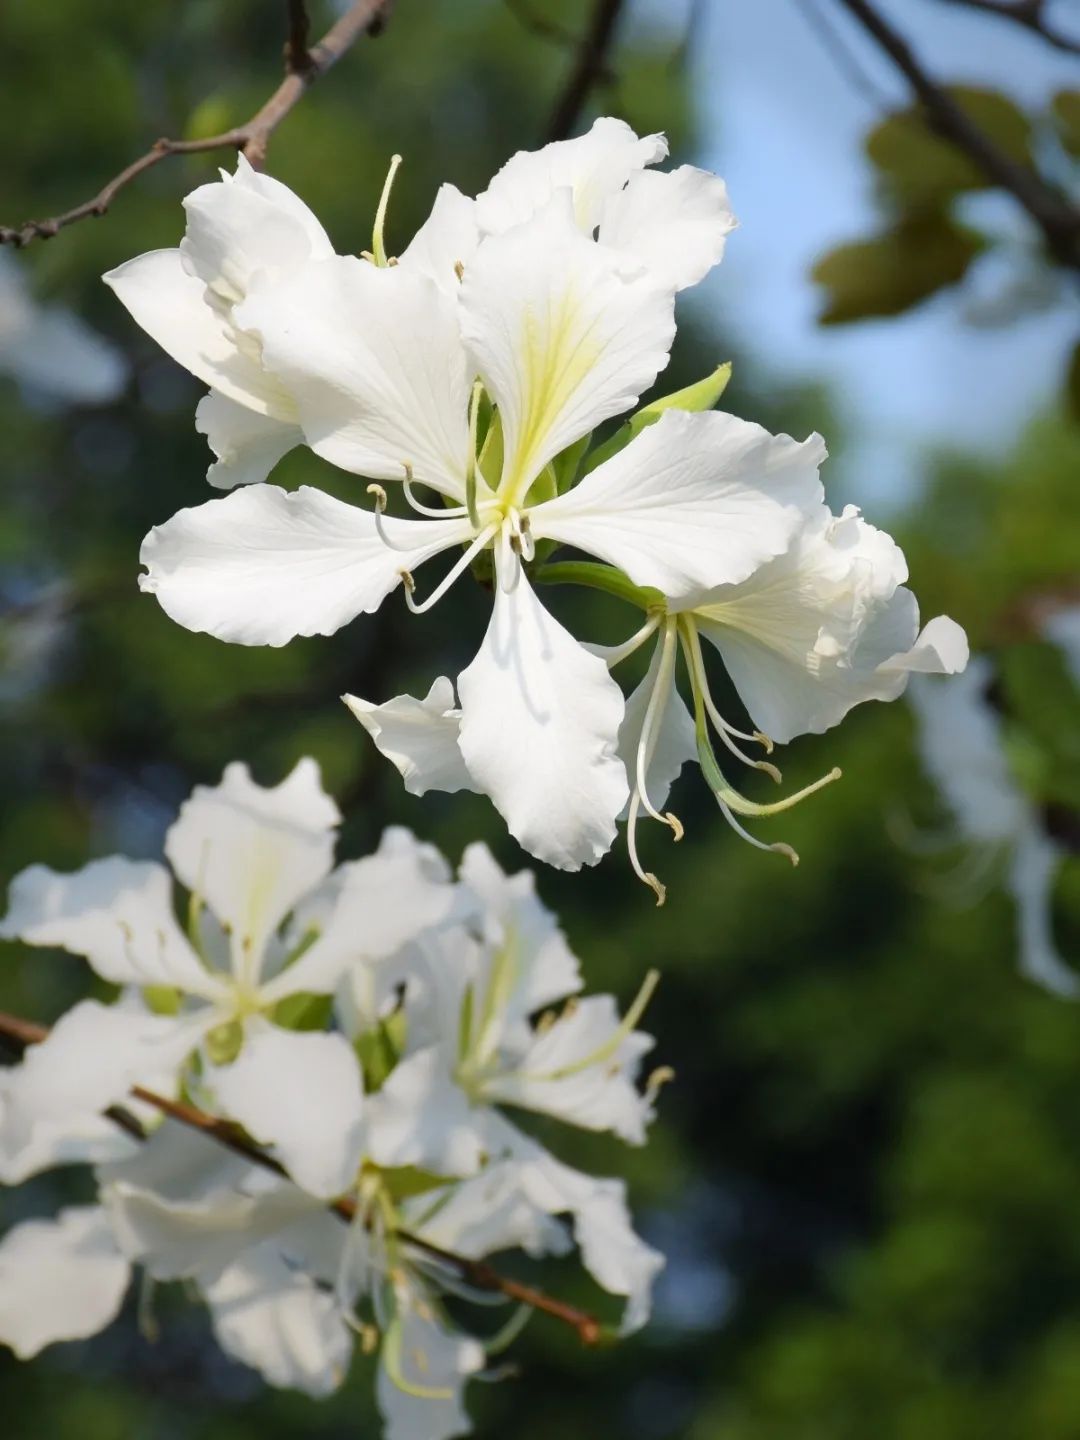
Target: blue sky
(785,126)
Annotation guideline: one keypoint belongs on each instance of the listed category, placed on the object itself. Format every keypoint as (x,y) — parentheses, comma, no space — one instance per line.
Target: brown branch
(251,138)
(297,54)
(590,68)
(1058,220)
(1029,14)
(21,1034)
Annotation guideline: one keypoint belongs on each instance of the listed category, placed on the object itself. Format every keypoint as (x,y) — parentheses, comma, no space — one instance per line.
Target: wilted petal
(172,307)
(252,851)
(674,222)
(694,501)
(561,339)
(419,737)
(247,444)
(61,1279)
(118,913)
(264,565)
(448,238)
(300,1092)
(279,1321)
(373,359)
(540,718)
(593,167)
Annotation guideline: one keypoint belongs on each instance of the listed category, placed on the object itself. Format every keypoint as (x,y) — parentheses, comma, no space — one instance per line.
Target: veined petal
(300,1092)
(281,1322)
(116,912)
(247,444)
(373,359)
(593,167)
(264,565)
(172,307)
(251,852)
(694,501)
(61,1279)
(419,737)
(561,338)
(371,908)
(540,720)
(447,238)
(674,222)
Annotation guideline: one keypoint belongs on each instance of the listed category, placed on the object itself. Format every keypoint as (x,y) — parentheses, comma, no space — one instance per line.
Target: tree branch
(20,1034)
(1058,220)
(589,69)
(1029,14)
(251,138)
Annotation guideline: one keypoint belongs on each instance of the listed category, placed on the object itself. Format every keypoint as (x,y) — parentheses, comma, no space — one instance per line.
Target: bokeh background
(867,1175)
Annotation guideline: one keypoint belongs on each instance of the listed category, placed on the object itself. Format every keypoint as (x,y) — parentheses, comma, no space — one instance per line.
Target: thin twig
(590,67)
(21,1034)
(843,57)
(251,138)
(1029,14)
(1055,216)
(297,54)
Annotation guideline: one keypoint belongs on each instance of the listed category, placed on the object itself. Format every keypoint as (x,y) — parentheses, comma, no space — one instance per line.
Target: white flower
(1062,628)
(48,349)
(244,232)
(249,857)
(564,333)
(961,742)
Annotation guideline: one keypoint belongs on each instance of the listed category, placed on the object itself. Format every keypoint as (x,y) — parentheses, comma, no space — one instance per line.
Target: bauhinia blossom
(961,740)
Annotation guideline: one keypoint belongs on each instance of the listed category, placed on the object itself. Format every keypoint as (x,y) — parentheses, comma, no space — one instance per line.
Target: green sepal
(490,460)
(567,465)
(224,1042)
(162,999)
(379,1050)
(303,1011)
(544,487)
(405,1181)
(701,395)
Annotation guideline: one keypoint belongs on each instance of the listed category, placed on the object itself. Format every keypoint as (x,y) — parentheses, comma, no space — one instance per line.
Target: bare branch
(297,54)
(590,68)
(1030,14)
(1055,216)
(251,138)
(20,1034)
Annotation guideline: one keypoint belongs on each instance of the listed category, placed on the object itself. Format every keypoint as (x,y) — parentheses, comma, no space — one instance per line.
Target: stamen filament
(380,507)
(610,1046)
(696,664)
(453,574)
(613,655)
(470,474)
(646,876)
(377,246)
(654,712)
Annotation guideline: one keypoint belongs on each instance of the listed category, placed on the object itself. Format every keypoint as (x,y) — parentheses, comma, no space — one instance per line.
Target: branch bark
(21,1034)
(590,67)
(1058,220)
(1029,14)
(251,138)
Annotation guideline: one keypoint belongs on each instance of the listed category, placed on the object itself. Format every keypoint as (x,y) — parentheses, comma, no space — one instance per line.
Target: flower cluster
(369,1041)
(469,375)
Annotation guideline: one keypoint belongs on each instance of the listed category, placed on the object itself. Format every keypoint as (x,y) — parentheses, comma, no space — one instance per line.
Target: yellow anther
(380,497)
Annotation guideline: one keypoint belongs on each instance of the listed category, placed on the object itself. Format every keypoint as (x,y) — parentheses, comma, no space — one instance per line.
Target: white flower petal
(264,565)
(301,1092)
(694,501)
(118,913)
(280,1322)
(78,1140)
(540,719)
(433,1362)
(1032,871)
(172,307)
(421,1117)
(593,167)
(418,737)
(613,1253)
(561,339)
(447,238)
(251,851)
(89,1061)
(675,223)
(247,444)
(61,1279)
(941,648)
(486,1213)
(373,359)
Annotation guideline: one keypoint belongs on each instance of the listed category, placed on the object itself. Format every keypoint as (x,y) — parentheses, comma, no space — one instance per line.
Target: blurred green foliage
(866,1173)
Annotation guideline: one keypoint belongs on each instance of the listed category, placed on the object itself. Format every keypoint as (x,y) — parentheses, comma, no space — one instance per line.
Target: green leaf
(303,1012)
(896,270)
(921,170)
(1072,384)
(1065,111)
(701,395)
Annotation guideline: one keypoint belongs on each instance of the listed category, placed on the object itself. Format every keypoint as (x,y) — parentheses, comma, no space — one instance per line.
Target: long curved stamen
(444,512)
(646,876)
(613,655)
(380,507)
(453,574)
(609,1047)
(470,474)
(778,847)
(654,712)
(696,664)
(378,248)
